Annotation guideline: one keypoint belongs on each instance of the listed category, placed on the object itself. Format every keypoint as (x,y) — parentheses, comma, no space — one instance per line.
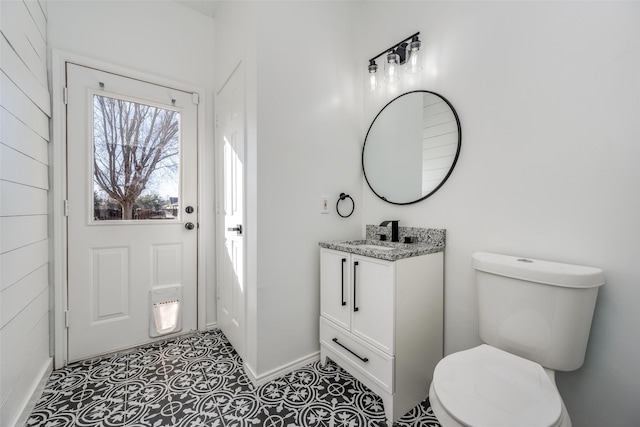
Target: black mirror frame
(453,164)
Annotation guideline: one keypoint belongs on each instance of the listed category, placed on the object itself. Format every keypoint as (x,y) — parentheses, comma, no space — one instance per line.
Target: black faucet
(394,229)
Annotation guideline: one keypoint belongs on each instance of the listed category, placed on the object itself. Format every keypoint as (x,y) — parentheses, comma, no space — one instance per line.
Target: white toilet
(535,318)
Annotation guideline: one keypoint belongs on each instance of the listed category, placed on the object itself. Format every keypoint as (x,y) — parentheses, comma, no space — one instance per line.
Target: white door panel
(126,223)
(230,135)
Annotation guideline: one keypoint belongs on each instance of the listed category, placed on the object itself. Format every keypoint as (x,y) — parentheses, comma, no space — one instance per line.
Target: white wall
(161,39)
(303,115)
(308,142)
(548,97)
(235,43)
(24,261)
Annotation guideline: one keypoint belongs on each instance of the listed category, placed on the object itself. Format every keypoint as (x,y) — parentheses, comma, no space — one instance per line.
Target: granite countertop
(386,250)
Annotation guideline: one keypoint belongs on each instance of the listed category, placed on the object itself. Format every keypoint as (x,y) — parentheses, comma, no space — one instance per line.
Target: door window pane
(136,161)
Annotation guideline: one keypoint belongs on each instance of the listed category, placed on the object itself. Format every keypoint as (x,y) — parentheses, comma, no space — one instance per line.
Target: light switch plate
(324,204)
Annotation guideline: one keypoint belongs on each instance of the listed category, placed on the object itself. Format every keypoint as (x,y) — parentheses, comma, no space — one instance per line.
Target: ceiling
(206,7)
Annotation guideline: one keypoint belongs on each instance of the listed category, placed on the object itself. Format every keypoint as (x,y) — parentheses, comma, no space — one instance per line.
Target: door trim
(58,194)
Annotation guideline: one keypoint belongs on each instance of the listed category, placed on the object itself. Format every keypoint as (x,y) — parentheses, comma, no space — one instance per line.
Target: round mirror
(411,147)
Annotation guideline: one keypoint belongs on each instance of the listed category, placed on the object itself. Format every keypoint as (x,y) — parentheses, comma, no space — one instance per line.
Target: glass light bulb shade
(414,63)
(391,67)
(372,78)
(372,82)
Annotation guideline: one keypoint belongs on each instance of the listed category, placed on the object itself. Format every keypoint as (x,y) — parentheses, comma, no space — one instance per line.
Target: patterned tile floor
(197,380)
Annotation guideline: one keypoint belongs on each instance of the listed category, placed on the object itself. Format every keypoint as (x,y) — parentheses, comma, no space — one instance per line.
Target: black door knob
(189,226)
(237,229)
(188,209)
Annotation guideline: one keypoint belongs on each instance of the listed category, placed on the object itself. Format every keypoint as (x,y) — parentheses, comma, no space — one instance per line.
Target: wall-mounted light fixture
(405,53)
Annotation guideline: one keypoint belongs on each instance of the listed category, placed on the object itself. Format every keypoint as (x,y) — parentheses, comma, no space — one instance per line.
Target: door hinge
(66,207)
(217,121)
(66,319)
(65,95)
(195,98)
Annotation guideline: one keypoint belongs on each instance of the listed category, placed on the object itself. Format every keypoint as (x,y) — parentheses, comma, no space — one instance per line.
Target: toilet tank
(538,310)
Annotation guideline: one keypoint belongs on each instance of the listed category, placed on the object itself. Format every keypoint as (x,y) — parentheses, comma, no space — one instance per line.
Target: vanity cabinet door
(335,283)
(373,301)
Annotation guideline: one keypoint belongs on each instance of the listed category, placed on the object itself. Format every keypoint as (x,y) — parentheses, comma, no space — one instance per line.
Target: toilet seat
(485,386)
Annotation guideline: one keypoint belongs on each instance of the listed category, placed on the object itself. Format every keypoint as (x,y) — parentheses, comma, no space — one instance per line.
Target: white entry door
(132,211)
(230,135)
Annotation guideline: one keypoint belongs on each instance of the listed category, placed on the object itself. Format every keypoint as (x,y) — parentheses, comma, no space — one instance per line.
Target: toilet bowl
(534,318)
(486,386)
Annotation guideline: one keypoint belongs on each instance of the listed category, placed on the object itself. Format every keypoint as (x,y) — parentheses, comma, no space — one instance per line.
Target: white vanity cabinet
(382,321)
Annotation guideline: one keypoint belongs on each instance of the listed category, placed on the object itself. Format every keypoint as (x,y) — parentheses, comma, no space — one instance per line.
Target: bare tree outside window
(136,155)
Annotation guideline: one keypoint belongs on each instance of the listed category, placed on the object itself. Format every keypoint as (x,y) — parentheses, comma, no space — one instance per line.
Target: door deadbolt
(188,209)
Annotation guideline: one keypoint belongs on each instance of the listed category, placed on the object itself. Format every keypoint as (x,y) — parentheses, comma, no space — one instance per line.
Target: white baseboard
(259,380)
(209,326)
(36,392)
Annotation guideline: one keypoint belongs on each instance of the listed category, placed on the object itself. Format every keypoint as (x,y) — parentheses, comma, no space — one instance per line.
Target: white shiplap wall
(24,136)
(440,142)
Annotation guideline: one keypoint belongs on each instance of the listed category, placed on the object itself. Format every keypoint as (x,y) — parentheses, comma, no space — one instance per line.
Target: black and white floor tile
(198,380)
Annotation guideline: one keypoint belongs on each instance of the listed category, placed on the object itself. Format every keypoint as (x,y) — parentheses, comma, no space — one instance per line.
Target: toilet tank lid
(532,270)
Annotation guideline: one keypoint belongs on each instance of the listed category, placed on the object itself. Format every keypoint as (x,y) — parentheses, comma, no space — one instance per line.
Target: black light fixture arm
(394,47)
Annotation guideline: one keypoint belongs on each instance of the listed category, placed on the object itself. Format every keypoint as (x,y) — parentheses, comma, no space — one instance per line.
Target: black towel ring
(341,198)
